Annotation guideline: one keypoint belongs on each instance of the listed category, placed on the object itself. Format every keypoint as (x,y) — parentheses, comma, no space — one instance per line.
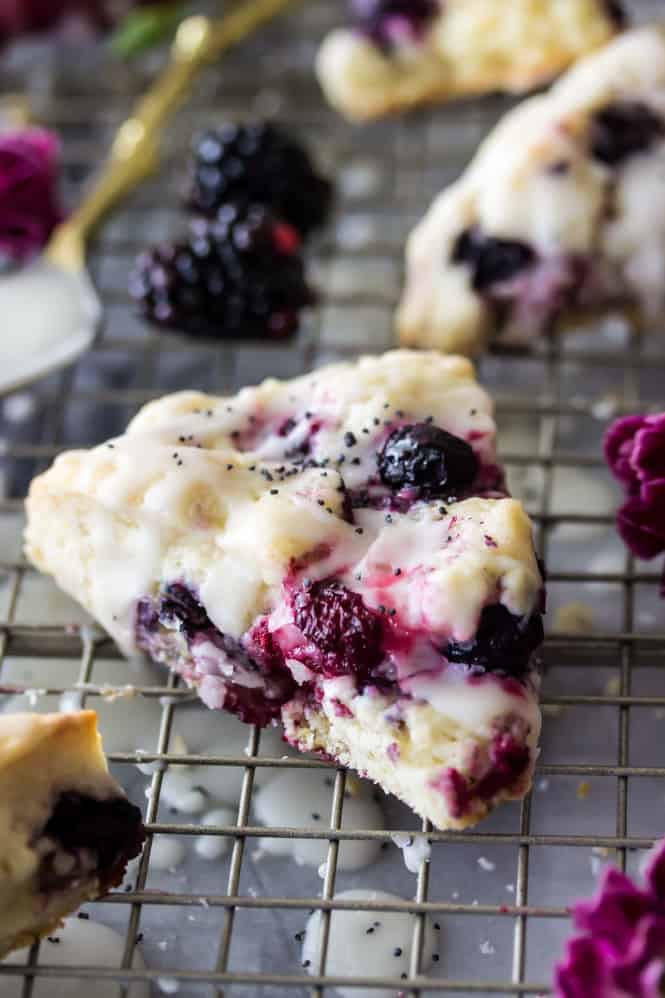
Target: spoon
(49,310)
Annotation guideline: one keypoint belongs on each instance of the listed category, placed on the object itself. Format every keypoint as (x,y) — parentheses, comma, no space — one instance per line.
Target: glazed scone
(337,552)
(401,53)
(560,218)
(66,826)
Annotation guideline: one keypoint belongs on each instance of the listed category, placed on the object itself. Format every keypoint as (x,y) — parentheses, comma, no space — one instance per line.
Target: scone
(560,218)
(336,552)
(400,53)
(66,827)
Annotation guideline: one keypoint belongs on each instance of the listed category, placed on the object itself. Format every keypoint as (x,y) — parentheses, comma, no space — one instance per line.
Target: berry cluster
(239,274)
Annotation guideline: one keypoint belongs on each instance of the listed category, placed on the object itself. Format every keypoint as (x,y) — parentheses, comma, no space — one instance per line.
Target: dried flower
(29,208)
(621,946)
(635,452)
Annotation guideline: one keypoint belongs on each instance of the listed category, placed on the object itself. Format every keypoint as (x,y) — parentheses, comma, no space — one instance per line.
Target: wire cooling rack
(600,785)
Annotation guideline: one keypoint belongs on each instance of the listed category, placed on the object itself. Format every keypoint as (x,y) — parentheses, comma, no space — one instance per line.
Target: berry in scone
(559,219)
(401,53)
(66,827)
(239,275)
(336,552)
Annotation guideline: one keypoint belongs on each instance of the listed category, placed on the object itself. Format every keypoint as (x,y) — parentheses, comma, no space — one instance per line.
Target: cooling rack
(500,891)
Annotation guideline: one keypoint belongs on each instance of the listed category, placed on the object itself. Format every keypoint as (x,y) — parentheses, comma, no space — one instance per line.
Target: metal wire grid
(130,364)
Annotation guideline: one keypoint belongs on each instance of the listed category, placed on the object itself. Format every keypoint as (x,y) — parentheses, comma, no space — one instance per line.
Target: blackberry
(492,260)
(428,458)
(348,635)
(240,275)
(503,642)
(624,129)
(386,21)
(261,164)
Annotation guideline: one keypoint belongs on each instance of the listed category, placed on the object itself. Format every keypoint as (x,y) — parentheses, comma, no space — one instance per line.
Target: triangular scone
(67,830)
(335,551)
(559,219)
(402,53)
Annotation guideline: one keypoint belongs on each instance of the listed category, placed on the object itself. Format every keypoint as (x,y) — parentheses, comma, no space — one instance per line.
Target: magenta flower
(29,208)
(620,951)
(635,452)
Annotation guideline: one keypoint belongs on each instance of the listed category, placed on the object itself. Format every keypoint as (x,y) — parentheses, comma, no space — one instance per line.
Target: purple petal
(616,909)
(618,445)
(29,209)
(648,453)
(642,529)
(584,971)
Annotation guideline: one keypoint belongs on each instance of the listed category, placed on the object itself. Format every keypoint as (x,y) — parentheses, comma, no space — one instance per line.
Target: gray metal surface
(600,786)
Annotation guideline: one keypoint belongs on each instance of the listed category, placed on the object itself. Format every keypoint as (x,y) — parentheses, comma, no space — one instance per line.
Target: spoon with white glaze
(49,310)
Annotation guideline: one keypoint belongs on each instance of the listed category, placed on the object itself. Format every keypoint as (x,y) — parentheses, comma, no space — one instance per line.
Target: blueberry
(179,608)
(347,633)
(503,642)
(624,129)
(492,260)
(428,458)
(377,18)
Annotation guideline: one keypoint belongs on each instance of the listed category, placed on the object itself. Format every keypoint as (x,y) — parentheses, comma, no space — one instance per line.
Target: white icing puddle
(367,944)
(302,799)
(212,847)
(415,850)
(166,852)
(49,318)
(81,943)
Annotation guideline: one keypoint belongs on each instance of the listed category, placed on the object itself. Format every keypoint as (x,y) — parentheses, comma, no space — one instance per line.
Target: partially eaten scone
(337,552)
(560,218)
(400,53)
(66,827)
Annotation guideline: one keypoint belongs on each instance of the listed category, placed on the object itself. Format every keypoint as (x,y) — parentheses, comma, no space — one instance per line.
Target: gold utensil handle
(135,151)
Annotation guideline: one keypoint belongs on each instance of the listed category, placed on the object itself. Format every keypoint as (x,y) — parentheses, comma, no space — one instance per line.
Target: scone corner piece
(559,220)
(396,57)
(66,826)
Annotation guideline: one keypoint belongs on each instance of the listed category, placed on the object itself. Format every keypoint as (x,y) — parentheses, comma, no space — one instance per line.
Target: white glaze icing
(82,942)
(213,847)
(416,850)
(303,799)
(166,852)
(57,313)
(355,952)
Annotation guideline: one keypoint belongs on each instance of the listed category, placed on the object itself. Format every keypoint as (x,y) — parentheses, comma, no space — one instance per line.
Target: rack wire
(595,684)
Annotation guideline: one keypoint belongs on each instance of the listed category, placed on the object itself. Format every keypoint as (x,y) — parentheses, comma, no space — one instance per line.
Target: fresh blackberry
(503,642)
(427,458)
(385,22)
(624,129)
(240,276)
(261,164)
(492,260)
